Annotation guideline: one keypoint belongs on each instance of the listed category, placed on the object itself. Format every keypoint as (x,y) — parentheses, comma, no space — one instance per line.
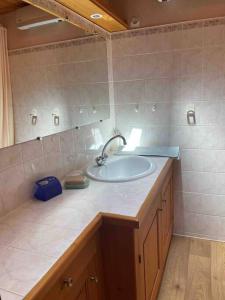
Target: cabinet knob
(68,282)
(94,278)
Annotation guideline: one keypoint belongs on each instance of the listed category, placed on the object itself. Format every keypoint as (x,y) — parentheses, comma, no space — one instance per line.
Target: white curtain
(6,108)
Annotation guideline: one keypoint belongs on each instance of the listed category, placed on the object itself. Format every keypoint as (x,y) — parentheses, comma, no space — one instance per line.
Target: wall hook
(56,119)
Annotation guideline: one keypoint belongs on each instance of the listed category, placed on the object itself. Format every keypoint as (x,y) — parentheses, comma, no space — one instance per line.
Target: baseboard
(198,237)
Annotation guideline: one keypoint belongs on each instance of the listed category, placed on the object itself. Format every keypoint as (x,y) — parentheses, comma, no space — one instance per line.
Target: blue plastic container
(47,188)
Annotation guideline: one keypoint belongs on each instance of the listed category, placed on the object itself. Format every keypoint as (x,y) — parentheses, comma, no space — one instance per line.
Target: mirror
(58,76)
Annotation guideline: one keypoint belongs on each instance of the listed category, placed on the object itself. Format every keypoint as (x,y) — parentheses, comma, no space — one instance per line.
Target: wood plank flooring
(195,270)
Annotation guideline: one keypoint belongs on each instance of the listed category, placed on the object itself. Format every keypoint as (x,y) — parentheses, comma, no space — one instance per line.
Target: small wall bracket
(191,118)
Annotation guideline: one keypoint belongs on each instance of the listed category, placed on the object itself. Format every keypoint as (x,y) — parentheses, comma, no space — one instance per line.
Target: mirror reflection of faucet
(100,160)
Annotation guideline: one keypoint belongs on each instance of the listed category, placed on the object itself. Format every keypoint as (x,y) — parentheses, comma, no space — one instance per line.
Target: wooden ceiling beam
(55,8)
(86,8)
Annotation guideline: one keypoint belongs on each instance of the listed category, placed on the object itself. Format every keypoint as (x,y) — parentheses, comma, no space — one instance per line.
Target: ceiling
(10,5)
(151,12)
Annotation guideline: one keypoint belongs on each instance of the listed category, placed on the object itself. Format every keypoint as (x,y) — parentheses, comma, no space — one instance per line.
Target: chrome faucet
(100,160)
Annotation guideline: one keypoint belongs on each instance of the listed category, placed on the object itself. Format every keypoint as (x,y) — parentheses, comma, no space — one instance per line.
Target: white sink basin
(120,169)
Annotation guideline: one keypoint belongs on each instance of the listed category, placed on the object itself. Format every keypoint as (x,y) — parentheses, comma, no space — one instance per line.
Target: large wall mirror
(54,75)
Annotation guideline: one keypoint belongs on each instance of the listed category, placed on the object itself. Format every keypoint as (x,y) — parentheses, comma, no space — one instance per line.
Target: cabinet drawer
(69,284)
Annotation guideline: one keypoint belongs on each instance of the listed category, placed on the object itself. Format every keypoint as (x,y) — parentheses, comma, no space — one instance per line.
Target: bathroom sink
(120,169)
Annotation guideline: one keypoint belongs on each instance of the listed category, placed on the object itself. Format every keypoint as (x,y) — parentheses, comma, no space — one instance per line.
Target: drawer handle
(94,279)
(68,282)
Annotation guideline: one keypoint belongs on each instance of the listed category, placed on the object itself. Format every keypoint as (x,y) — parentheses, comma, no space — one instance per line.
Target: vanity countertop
(34,236)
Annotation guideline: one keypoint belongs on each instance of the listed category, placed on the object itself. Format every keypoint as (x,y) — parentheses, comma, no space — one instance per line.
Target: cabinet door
(151,258)
(83,295)
(95,279)
(166,220)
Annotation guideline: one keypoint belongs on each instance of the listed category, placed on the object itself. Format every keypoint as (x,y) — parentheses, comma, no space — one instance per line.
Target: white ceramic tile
(203,160)
(11,187)
(191,62)
(203,183)
(129,46)
(129,92)
(10,157)
(201,203)
(192,37)
(213,60)
(214,35)
(32,150)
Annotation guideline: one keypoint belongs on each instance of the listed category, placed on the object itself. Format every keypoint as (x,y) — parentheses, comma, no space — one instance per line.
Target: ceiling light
(96,16)
(163,1)
(39,24)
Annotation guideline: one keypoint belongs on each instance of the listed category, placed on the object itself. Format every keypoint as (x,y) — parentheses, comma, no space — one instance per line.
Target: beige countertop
(35,236)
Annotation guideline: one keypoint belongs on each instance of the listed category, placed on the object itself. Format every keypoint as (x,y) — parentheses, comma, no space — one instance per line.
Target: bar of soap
(76,182)
(76,179)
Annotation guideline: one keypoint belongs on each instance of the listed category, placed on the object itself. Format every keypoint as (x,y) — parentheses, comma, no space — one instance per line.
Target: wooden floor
(195,270)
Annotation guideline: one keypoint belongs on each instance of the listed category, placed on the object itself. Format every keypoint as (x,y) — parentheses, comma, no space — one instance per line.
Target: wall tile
(214,35)
(192,37)
(11,187)
(129,92)
(10,156)
(214,60)
(191,62)
(32,150)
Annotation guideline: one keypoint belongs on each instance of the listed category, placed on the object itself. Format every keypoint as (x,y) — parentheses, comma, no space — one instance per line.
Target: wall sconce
(56,119)
(34,117)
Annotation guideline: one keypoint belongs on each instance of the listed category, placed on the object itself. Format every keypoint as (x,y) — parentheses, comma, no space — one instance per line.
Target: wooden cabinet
(134,268)
(151,258)
(78,275)
(119,258)
(166,219)
(92,283)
